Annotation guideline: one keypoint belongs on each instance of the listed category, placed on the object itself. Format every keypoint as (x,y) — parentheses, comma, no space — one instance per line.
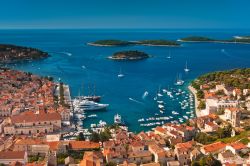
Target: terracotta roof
(12,155)
(35,117)
(160,129)
(237,145)
(77,145)
(28,141)
(214,147)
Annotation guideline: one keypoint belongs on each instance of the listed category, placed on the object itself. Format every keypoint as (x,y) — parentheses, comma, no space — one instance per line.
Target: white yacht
(87,105)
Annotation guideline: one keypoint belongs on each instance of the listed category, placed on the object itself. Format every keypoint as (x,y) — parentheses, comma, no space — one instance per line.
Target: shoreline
(132,44)
(196,102)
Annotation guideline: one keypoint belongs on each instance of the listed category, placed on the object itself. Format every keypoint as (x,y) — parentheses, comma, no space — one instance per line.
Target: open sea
(84,67)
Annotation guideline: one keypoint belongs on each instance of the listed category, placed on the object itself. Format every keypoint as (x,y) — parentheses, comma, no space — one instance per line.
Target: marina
(135,96)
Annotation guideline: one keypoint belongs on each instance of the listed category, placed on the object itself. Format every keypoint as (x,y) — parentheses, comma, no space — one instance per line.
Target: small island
(196,39)
(12,53)
(129,43)
(110,43)
(236,39)
(157,43)
(129,55)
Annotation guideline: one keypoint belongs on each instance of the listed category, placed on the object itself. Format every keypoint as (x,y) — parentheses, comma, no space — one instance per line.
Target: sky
(152,14)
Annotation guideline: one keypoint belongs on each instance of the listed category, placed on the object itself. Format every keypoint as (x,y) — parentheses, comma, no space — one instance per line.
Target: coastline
(196,102)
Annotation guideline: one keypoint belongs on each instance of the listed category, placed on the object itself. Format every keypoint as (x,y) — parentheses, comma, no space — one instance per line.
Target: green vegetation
(158,42)
(61,93)
(111,43)
(129,55)
(242,135)
(206,39)
(141,42)
(197,39)
(202,105)
(221,135)
(35,158)
(111,164)
(237,78)
(204,138)
(206,161)
(80,137)
(12,53)
(102,136)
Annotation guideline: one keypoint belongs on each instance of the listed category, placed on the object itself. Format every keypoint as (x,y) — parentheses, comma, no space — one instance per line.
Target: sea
(87,70)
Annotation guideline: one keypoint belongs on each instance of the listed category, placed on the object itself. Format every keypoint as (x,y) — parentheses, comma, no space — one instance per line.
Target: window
(45,131)
(37,131)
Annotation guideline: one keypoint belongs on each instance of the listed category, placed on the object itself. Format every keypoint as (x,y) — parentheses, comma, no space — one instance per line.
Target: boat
(120,75)
(87,105)
(186,69)
(175,113)
(160,102)
(161,106)
(169,56)
(179,81)
(92,116)
(118,119)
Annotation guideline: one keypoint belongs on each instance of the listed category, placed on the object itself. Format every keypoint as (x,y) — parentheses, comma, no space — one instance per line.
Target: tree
(111,164)
(80,137)
(94,137)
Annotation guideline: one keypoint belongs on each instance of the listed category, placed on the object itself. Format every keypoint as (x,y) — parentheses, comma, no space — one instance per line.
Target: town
(36,113)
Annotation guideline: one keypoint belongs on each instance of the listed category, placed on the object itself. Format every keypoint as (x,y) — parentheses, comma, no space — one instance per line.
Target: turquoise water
(140,76)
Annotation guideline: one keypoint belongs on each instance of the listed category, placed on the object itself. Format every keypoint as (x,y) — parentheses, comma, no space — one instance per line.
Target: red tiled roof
(35,117)
(12,155)
(77,145)
(237,145)
(214,147)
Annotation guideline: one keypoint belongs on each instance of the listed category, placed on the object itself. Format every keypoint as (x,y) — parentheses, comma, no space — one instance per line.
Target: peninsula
(236,39)
(140,42)
(12,53)
(129,55)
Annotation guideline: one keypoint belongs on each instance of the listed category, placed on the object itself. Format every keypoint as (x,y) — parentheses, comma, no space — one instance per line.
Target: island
(110,43)
(236,39)
(12,53)
(129,43)
(129,55)
(196,39)
(157,43)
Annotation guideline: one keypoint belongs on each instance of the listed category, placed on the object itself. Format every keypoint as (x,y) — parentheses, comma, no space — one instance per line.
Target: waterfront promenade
(196,102)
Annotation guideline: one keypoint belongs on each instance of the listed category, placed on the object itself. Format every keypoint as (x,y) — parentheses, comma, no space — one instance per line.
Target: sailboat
(169,57)
(179,81)
(120,75)
(186,69)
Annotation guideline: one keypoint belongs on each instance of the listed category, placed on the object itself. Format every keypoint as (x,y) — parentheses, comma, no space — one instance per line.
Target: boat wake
(145,94)
(131,99)
(65,53)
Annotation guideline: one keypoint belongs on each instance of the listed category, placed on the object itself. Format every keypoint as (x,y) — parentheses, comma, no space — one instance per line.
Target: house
(92,158)
(158,152)
(8,157)
(211,127)
(33,123)
(233,115)
(125,163)
(213,148)
(139,157)
(183,150)
(150,164)
(236,147)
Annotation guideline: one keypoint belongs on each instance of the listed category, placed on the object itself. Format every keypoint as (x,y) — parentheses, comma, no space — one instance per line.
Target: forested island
(129,55)
(237,39)
(12,53)
(140,42)
(110,43)
(158,43)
